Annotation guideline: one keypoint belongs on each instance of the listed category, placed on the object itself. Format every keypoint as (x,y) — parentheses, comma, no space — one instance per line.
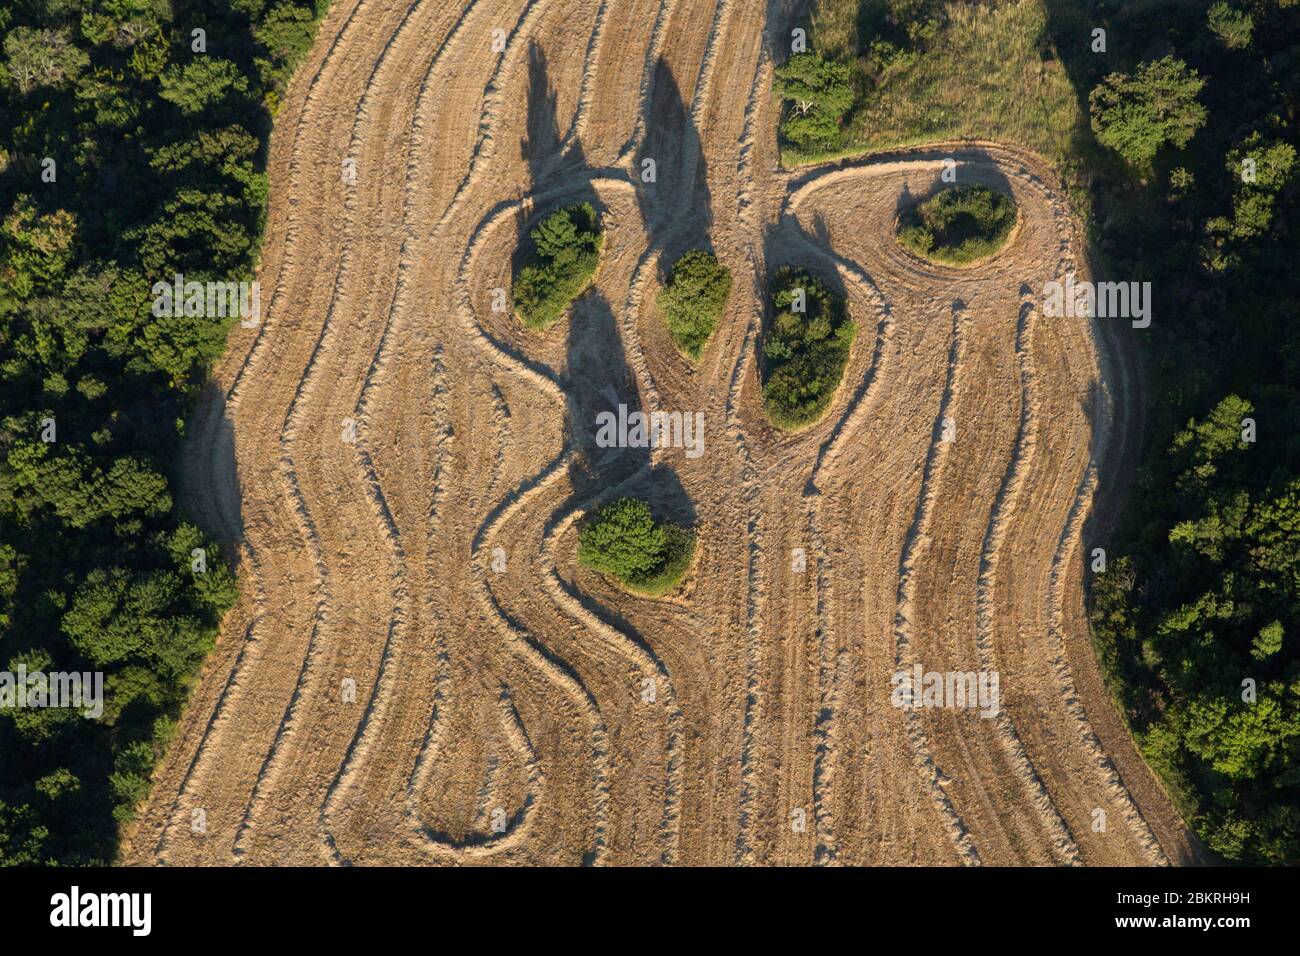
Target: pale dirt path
(400,468)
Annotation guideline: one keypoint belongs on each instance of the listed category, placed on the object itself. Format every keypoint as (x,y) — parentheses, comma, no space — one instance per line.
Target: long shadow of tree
(597,378)
(676,205)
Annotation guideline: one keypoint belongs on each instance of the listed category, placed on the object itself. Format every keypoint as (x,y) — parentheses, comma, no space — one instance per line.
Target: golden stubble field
(418,672)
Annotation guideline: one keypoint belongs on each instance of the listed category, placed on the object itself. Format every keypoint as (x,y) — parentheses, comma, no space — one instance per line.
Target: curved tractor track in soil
(419,673)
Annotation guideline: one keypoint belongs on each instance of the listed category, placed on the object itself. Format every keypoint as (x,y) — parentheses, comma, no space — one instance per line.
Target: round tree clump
(693,299)
(622,539)
(805,347)
(958,226)
(566,250)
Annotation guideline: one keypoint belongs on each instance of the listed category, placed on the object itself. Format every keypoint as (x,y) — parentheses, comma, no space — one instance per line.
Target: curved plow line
(827,751)
(273,765)
(1071,537)
(578,124)
(824,729)
(863,400)
(917,543)
(519,640)
(377,709)
(755,573)
(641,655)
(760,82)
(485,145)
(704,82)
(1004,508)
(436,844)
(517,828)
(645,268)
(439,845)
(162,845)
(824,732)
(217,724)
(291,222)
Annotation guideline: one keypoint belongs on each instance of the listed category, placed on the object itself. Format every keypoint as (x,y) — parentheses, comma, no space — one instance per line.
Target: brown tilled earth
(419,672)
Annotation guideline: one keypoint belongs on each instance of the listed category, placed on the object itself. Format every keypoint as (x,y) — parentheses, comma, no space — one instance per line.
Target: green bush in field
(819,94)
(804,352)
(958,226)
(693,299)
(623,540)
(566,249)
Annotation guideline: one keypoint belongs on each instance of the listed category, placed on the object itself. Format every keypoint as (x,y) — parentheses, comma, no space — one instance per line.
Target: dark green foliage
(1233,27)
(622,539)
(693,300)
(818,96)
(566,251)
(1136,114)
(804,353)
(160,153)
(41,58)
(960,225)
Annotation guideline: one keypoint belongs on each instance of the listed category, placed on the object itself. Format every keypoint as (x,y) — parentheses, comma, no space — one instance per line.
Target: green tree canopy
(819,96)
(1137,114)
(693,299)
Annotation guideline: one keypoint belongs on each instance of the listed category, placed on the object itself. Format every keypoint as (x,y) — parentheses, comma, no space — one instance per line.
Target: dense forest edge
(133,148)
(1174,125)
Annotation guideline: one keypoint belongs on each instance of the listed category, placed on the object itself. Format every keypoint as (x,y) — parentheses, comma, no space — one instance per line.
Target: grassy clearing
(805,348)
(566,251)
(958,226)
(693,300)
(980,71)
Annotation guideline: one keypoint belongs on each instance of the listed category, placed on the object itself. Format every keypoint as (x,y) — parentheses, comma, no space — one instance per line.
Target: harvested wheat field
(419,672)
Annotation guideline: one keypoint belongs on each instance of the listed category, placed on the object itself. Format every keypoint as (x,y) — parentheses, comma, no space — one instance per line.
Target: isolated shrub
(566,249)
(804,351)
(1137,114)
(819,94)
(959,225)
(622,539)
(693,299)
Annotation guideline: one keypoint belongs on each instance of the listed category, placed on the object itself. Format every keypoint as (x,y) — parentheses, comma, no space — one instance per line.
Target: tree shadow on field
(219,510)
(542,146)
(550,166)
(677,206)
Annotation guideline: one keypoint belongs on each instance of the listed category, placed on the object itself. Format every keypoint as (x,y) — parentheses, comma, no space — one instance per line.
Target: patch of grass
(693,299)
(804,352)
(622,539)
(958,226)
(955,71)
(566,251)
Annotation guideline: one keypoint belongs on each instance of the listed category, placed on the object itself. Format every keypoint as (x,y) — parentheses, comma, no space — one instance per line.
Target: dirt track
(399,470)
